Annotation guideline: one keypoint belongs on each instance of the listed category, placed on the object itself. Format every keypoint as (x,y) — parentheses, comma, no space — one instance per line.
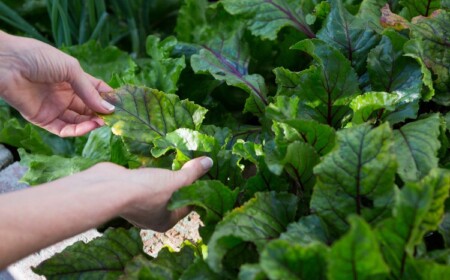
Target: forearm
(38,217)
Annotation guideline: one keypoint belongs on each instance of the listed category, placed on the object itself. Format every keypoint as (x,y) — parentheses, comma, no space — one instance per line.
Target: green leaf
(227,60)
(98,145)
(251,272)
(390,70)
(33,139)
(101,62)
(42,168)
(419,208)
(357,254)
(281,259)
(200,270)
(309,229)
(420,7)
(211,198)
(357,177)
(260,219)
(430,42)
(326,87)
(352,35)
(267,18)
(143,114)
(103,258)
(416,145)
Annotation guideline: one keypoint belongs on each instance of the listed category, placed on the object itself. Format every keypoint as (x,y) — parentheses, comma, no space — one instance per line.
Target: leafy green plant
(327,123)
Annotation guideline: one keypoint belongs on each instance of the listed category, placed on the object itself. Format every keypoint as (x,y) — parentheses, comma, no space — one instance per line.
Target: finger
(100,85)
(193,170)
(64,129)
(73,117)
(88,93)
(80,107)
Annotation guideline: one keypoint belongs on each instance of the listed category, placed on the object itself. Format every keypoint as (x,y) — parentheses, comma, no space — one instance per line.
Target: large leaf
(307,230)
(103,258)
(42,168)
(357,254)
(259,220)
(211,198)
(326,87)
(416,145)
(352,35)
(419,208)
(420,7)
(267,17)
(357,177)
(143,114)
(285,260)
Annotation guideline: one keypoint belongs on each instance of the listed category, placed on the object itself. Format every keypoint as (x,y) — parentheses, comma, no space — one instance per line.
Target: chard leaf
(390,70)
(259,220)
(281,259)
(227,61)
(251,272)
(419,208)
(103,258)
(102,62)
(357,254)
(326,87)
(430,42)
(42,168)
(199,270)
(143,114)
(420,7)
(416,145)
(98,145)
(267,17)
(191,21)
(211,198)
(365,105)
(357,177)
(352,35)
(425,269)
(309,229)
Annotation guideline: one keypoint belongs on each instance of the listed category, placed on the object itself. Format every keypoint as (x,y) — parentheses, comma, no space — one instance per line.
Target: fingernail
(206,163)
(108,106)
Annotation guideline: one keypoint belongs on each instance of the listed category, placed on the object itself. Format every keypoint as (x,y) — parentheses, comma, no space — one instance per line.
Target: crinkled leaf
(259,220)
(281,259)
(371,11)
(42,168)
(357,254)
(191,20)
(432,44)
(416,145)
(425,269)
(352,35)
(267,17)
(419,208)
(211,198)
(307,230)
(102,258)
(420,7)
(143,114)
(98,145)
(326,87)
(102,62)
(389,19)
(142,268)
(200,270)
(357,177)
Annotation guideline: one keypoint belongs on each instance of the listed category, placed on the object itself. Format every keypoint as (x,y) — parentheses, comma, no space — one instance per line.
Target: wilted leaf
(389,19)
(357,177)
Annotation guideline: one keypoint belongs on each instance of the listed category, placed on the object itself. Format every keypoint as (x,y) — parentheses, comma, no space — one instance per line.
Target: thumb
(192,170)
(85,89)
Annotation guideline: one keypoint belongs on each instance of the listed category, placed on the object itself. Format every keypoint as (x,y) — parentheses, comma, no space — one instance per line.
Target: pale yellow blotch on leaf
(117,128)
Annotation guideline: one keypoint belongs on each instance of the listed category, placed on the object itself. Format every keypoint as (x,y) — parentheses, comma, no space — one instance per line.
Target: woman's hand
(49,88)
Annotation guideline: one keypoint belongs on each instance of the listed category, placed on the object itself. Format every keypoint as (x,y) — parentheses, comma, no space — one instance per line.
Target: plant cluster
(327,124)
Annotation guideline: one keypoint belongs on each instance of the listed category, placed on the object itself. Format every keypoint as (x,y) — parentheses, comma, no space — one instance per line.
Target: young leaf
(357,254)
(281,259)
(267,17)
(191,21)
(357,177)
(143,114)
(416,145)
(103,258)
(418,209)
(326,87)
(211,198)
(352,35)
(260,219)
